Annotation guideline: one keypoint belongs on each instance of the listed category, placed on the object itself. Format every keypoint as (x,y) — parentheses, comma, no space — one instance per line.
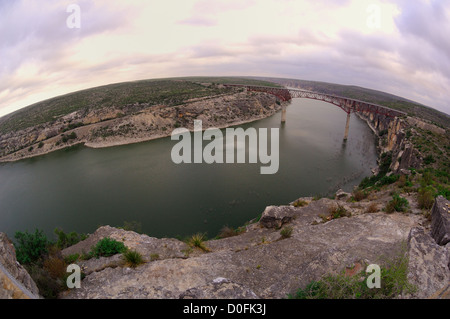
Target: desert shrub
(398,204)
(425,197)
(66,240)
(70,259)
(300,203)
(107,247)
(154,256)
(372,208)
(429,159)
(56,267)
(197,240)
(48,286)
(133,258)
(387,180)
(359,195)
(286,232)
(30,247)
(338,211)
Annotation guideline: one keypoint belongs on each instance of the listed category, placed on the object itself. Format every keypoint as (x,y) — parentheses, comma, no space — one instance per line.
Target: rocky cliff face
(393,139)
(260,263)
(15,282)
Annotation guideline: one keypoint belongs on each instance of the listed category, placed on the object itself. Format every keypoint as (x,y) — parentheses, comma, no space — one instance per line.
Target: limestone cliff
(392,139)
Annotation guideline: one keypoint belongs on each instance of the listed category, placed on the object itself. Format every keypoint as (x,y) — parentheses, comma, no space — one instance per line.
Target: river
(82,188)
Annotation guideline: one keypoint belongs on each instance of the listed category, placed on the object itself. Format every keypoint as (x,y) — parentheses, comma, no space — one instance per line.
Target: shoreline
(126,140)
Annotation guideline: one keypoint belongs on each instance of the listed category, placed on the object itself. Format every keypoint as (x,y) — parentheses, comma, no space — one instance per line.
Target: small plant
(398,204)
(429,160)
(154,257)
(107,247)
(286,232)
(70,259)
(425,197)
(40,144)
(226,232)
(359,195)
(66,240)
(197,240)
(133,258)
(373,208)
(300,203)
(338,212)
(55,266)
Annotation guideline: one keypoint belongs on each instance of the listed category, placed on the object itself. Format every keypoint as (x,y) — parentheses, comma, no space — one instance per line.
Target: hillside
(156,91)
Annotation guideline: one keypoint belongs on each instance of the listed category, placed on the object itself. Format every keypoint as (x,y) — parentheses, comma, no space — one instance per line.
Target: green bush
(66,240)
(30,247)
(108,247)
(425,197)
(398,204)
(429,160)
(387,180)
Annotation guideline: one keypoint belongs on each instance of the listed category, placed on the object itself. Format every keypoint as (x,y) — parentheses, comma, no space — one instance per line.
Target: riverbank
(109,127)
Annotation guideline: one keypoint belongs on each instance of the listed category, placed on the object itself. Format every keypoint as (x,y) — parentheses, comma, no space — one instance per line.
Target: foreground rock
(428,264)
(440,216)
(259,262)
(15,282)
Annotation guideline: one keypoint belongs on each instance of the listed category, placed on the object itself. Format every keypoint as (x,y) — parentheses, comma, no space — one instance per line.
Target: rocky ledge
(260,263)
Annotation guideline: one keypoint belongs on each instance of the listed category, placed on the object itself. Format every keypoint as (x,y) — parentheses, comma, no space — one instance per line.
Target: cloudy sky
(399,46)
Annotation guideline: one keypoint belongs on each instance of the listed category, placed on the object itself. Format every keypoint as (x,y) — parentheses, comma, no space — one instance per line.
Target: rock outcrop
(440,217)
(428,264)
(259,262)
(15,282)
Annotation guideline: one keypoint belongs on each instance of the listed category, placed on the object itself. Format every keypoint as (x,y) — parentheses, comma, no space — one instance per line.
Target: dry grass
(372,208)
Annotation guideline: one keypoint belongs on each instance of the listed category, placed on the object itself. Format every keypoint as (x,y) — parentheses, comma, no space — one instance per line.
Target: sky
(53,47)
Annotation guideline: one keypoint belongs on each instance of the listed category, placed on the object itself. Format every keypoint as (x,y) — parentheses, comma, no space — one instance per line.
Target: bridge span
(347,104)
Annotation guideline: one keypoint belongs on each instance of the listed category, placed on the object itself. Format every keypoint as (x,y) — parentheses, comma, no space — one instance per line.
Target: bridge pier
(347,125)
(283,114)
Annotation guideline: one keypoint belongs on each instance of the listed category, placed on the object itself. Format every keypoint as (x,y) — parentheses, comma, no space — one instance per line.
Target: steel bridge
(347,104)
